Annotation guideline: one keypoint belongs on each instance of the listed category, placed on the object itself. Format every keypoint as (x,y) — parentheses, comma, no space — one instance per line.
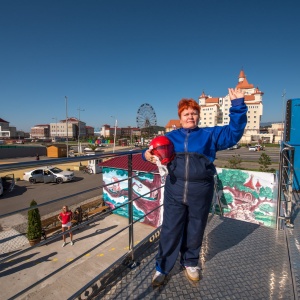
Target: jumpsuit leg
(171,234)
(199,203)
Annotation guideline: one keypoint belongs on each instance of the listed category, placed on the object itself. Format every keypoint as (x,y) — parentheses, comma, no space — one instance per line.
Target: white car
(252,148)
(48,174)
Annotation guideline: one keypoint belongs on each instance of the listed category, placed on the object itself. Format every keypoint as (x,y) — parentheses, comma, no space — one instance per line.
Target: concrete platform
(53,272)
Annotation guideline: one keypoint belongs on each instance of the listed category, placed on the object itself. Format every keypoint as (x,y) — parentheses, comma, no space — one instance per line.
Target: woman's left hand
(235,93)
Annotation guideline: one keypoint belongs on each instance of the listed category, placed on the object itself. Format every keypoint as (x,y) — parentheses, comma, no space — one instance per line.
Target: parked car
(48,174)
(259,147)
(252,148)
(237,146)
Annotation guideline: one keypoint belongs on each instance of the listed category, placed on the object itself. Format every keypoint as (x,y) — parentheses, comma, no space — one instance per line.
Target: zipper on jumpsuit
(186,167)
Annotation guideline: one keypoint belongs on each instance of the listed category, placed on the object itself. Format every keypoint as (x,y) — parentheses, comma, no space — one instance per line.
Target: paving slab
(49,271)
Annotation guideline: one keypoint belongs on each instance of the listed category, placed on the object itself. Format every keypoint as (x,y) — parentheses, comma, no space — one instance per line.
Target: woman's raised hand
(235,93)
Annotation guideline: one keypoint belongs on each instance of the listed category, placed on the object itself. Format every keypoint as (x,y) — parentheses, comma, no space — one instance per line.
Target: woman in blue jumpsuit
(189,185)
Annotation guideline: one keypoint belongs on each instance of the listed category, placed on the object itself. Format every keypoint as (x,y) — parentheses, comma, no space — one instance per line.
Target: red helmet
(163,148)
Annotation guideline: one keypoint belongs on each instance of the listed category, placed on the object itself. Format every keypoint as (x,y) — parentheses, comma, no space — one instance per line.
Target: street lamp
(67,125)
(79,110)
(55,128)
(116,123)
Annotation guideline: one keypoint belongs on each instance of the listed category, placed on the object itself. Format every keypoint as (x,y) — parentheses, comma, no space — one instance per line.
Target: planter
(34,242)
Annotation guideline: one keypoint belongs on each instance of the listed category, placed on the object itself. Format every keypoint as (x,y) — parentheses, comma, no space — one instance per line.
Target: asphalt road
(247,155)
(24,192)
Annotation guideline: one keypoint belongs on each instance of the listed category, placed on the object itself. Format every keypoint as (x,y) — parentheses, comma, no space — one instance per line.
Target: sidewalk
(53,272)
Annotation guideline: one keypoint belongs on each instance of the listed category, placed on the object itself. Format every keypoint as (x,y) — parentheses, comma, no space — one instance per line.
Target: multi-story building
(121,132)
(40,131)
(7,131)
(89,131)
(76,128)
(4,129)
(172,125)
(215,111)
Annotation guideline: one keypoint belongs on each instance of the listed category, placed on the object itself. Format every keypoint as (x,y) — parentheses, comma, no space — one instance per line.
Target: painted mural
(116,194)
(244,195)
(248,196)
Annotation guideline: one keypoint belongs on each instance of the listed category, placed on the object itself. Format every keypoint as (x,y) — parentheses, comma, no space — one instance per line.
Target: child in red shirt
(65,217)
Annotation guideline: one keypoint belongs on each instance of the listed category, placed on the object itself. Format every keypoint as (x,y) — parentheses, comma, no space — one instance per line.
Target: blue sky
(111,56)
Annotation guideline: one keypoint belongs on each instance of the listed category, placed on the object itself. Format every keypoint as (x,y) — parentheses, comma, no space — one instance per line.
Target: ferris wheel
(146,116)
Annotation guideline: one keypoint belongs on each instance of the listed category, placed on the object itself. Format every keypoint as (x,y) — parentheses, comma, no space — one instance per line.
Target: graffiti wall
(116,194)
(248,196)
(244,195)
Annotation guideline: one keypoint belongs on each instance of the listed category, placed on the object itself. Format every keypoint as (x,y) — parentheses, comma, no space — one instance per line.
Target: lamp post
(67,125)
(55,128)
(116,123)
(79,110)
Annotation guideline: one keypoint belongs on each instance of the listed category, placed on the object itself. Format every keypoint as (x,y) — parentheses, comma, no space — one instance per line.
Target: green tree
(235,162)
(92,146)
(265,162)
(34,229)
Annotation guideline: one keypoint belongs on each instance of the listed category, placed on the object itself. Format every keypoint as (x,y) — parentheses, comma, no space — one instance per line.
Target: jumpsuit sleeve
(229,135)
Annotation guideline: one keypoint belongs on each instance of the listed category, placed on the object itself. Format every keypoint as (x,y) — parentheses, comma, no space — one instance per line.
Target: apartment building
(76,128)
(40,131)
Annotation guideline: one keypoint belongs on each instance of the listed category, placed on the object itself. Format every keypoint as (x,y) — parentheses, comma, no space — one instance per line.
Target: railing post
(280,183)
(285,186)
(130,207)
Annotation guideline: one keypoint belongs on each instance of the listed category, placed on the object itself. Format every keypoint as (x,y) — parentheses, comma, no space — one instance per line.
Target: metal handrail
(131,222)
(285,186)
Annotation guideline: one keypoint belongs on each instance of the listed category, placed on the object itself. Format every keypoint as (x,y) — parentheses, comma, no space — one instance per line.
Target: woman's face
(189,118)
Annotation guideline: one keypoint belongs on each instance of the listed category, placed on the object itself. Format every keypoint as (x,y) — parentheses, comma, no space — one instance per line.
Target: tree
(92,146)
(265,162)
(235,162)
(34,229)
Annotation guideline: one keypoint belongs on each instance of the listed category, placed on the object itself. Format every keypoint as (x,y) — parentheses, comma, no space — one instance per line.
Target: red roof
(138,164)
(3,121)
(212,100)
(173,123)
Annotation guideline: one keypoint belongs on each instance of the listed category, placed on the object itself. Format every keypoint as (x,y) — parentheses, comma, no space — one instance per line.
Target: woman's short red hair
(187,103)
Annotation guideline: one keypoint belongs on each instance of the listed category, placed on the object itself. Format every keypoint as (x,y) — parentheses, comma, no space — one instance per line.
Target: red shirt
(66,217)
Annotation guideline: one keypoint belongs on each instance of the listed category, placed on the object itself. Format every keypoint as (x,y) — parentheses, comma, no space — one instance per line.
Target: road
(24,192)
(247,155)
(249,158)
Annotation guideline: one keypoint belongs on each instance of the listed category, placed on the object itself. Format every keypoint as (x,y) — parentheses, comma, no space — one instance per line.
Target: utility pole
(79,110)
(55,128)
(67,125)
(116,123)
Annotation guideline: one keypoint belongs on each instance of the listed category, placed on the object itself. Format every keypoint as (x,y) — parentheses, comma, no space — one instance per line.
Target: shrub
(265,162)
(34,229)
(235,162)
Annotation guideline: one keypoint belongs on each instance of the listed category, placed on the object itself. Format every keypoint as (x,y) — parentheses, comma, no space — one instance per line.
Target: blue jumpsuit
(189,187)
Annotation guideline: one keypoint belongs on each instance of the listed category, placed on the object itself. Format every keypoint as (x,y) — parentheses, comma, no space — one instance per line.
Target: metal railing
(131,222)
(130,255)
(285,186)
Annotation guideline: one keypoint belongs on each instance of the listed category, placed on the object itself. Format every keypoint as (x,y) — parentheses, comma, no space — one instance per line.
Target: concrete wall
(22,151)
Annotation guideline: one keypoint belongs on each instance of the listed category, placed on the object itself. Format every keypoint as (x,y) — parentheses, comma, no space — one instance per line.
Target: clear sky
(111,56)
